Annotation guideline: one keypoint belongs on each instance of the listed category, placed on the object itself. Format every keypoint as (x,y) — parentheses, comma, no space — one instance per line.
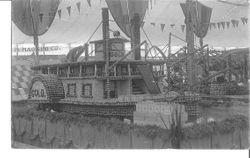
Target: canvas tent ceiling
(78,27)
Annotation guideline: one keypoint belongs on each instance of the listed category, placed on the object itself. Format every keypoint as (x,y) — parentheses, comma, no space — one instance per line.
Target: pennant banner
(228,24)
(59,13)
(69,9)
(218,24)
(41,17)
(78,6)
(142,24)
(162,27)
(223,25)
(153,24)
(182,28)
(89,2)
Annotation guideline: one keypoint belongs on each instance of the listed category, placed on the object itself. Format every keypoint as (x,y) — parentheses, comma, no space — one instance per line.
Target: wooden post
(17,51)
(135,36)
(229,66)
(87,54)
(57,70)
(80,73)
(95,70)
(37,49)
(105,31)
(169,54)
(245,69)
(190,46)
(129,69)
(68,71)
(115,70)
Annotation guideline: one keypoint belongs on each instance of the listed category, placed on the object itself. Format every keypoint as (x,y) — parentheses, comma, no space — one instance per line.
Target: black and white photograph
(130,74)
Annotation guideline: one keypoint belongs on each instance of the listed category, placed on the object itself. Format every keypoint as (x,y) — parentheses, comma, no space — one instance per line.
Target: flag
(162,27)
(244,20)
(78,6)
(233,22)
(182,28)
(69,9)
(41,17)
(218,24)
(172,25)
(142,24)
(214,25)
(228,24)
(236,23)
(153,24)
(210,26)
(223,24)
(59,13)
(89,2)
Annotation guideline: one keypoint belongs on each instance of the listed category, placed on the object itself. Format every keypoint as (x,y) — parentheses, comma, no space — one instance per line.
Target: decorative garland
(194,132)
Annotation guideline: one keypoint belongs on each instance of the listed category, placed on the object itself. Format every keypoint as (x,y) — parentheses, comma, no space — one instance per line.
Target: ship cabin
(86,79)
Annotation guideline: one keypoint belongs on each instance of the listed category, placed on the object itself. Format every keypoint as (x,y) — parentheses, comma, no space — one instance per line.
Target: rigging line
(147,39)
(94,32)
(182,39)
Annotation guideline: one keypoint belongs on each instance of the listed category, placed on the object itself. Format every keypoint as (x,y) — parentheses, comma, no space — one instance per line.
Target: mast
(135,35)
(190,45)
(105,31)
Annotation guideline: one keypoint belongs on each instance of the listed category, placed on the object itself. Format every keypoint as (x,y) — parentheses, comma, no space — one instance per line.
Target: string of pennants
(59,11)
(78,5)
(213,25)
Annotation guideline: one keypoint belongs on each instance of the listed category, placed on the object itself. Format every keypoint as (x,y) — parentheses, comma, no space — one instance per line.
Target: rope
(94,32)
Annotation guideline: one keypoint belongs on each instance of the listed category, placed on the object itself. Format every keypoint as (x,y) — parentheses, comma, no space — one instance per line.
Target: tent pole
(190,45)
(105,31)
(169,54)
(37,49)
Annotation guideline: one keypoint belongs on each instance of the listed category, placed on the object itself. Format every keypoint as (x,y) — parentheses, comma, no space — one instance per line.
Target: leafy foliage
(194,132)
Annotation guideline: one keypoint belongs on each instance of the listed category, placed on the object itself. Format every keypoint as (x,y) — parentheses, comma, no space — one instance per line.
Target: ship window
(87,90)
(71,92)
(45,70)
(117,46)
(99,47)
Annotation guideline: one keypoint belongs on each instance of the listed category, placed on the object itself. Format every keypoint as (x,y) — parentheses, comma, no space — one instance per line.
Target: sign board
(38,91)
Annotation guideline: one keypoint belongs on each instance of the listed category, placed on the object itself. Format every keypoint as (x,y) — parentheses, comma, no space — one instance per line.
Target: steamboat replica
(103,84)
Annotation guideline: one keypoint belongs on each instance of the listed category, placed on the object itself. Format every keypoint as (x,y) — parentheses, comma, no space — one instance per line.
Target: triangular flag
(78,6)
(243,20)
(214,25)
(51,15)
(246,19)
(142,23)
(69,9)
(223,24)
(210,26)
(218,24)
(162,27)
(41,17)
(228,24)
(182,28)
(59,13)
(236,23)
(89,2)
(152,23)
(172,25)
(233,22)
